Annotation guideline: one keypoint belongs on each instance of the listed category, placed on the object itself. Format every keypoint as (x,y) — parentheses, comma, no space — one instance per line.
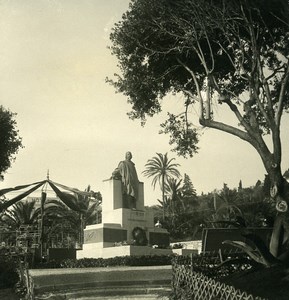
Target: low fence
(197,278)
(188,284)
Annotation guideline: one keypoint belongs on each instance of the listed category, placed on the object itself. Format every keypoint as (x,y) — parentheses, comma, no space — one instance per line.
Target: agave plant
(259,252)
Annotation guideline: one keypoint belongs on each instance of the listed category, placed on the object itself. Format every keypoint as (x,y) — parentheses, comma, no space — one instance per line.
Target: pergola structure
(71,197)
(68,197)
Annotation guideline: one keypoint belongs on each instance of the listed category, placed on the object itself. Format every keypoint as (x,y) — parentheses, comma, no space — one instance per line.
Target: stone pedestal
(118,223)
(113,196)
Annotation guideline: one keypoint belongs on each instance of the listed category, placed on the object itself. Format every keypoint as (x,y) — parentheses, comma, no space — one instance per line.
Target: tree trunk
(280,194)
(163,195)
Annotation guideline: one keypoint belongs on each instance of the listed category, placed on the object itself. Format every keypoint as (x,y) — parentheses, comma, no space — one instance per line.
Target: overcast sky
(53,62)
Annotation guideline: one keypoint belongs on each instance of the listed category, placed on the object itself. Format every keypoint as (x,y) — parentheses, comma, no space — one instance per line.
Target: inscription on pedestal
(137,216)
(104,235)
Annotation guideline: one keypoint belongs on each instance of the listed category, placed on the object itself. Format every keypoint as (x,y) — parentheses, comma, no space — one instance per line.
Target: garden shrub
(8,272)
(209,264)
(146,260)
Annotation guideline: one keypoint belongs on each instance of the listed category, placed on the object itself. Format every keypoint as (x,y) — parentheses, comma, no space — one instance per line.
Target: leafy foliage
(210,264)
(245,207)
(10,141)
(92,212)
(8,271)
(182,218)
(188,213)
(21,213)
(181,134)
(161,168)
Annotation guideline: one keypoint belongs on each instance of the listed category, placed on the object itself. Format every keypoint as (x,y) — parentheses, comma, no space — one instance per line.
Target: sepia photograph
(144,149)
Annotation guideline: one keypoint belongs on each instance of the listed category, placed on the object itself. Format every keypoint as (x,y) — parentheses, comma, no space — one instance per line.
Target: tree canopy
(213,52)
(10,141)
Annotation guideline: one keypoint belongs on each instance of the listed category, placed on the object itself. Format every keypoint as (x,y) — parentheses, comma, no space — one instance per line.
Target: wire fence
(197,277)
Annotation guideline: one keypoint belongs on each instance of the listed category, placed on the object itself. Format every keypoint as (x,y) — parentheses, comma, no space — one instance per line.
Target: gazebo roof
(70,196)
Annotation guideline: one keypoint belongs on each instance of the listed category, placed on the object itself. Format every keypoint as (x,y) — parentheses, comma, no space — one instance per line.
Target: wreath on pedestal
(139,236)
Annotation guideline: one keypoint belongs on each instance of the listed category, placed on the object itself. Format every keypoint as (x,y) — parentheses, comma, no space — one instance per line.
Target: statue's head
(128,155)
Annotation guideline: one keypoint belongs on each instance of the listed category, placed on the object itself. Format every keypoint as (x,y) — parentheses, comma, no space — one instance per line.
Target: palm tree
(21,213)
(161,168)
(92,207)
(61,222)
(21,216)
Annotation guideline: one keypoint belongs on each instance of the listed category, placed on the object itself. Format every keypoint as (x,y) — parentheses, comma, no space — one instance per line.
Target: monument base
(106,235)
(92,251)
(103,235)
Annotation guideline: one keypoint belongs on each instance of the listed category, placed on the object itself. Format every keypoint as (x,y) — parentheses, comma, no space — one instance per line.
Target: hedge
(146,260)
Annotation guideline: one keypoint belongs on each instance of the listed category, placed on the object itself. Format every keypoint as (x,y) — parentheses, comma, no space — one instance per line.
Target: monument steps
(137,291)
(101,282)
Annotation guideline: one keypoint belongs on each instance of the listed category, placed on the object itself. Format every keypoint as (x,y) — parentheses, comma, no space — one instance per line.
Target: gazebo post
(43,198)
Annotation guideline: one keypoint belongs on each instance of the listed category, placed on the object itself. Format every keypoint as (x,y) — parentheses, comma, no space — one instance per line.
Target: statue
(126,172)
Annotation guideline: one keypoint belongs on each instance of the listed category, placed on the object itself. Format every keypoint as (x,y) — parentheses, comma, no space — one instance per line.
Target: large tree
(10,141)
(229,53)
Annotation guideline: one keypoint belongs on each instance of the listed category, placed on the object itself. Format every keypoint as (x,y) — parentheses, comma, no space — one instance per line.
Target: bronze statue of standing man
(126,172)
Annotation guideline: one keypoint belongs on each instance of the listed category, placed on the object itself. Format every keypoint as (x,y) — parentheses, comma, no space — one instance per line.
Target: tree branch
(281,96)
(197,86)
(267,93)
(274,72)
(227,128)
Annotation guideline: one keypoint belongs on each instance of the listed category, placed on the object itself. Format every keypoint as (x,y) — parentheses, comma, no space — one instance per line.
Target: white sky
(53,62)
